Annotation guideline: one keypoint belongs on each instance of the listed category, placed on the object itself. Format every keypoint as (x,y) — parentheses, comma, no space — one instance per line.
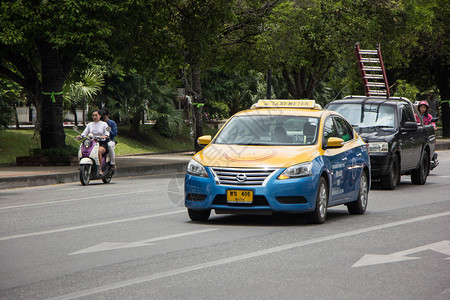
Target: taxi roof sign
(287,103)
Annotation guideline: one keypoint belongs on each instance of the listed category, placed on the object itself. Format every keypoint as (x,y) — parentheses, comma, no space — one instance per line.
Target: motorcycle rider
(98,129)
(112,134)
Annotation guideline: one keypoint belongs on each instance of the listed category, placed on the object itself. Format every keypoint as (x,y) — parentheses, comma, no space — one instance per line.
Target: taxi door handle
(344,159)
(359,154)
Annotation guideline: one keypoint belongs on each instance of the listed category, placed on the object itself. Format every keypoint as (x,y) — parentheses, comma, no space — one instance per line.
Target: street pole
(269,83)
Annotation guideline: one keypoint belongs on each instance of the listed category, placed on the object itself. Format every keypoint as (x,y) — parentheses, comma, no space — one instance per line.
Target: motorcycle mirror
(108,129)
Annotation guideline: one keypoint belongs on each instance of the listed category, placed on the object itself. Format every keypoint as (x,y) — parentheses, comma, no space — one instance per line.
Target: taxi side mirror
(204,140)
(334,142)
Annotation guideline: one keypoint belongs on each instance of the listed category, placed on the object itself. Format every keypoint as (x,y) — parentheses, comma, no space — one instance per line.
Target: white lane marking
(375,259)
(232,259)
(114,246)
(75,199)
(17,236)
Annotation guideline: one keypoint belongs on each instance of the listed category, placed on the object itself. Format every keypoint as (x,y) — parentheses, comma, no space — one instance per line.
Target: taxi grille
(243,177)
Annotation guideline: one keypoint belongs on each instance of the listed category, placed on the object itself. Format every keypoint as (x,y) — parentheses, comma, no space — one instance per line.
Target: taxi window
(329,130)
(269,130)
(344,129)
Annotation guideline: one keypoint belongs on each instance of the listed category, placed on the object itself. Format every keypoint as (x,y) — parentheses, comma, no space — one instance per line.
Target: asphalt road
(132,239)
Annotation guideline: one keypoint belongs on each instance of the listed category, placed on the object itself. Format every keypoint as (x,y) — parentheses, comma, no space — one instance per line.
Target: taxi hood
(245,156)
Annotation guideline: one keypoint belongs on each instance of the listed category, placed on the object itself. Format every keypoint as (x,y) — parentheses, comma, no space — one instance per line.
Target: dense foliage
(220,51)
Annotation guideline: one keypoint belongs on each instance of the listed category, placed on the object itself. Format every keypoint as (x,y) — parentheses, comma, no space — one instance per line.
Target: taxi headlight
(300,170)
(87,143)
(378,147)
(196,169)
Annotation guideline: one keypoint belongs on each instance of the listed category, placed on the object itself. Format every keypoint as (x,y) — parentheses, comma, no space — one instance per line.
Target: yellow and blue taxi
(279,156)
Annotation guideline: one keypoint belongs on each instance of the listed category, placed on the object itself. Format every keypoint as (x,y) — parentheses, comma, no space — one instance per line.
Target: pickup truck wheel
(392,178)
(419,175)
(359,206)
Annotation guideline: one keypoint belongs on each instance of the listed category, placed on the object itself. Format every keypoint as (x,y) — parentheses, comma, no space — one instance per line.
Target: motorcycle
(89,162)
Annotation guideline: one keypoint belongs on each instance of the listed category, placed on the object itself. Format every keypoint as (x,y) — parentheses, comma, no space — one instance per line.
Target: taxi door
(353,157)
(338,161)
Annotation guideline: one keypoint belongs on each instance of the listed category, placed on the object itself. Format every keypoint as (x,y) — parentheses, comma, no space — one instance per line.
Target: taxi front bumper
(288,195)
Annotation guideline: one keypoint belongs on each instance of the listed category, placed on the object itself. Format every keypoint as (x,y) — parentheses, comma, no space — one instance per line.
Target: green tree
(429,59)
(195,27)
(6,115)
(232,88)
(40,41)
(10,98)
(131,95)
(304,39)
(161,109)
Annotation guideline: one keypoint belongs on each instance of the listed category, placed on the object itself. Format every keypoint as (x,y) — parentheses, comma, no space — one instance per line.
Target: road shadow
(404,184)
(275,220)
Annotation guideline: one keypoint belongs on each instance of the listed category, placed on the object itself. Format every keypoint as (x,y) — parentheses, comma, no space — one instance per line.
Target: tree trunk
(135,124)
(74,111)
(53,77)
(291,87)
(198,108)
(16,117)
(444,90)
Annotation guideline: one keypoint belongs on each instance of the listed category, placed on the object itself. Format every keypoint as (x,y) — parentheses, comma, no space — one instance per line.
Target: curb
(442,146)
(50,179)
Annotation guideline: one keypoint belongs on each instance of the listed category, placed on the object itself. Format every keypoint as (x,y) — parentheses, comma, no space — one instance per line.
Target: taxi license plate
(239,196)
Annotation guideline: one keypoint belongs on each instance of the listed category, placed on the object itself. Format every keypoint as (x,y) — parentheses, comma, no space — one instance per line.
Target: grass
(20,142)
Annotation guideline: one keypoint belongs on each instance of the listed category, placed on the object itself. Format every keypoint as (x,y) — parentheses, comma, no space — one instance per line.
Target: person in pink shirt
(426,117)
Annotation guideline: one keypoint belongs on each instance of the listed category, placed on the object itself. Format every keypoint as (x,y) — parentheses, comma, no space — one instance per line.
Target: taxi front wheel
(359,206)
(319,214)
(199,215)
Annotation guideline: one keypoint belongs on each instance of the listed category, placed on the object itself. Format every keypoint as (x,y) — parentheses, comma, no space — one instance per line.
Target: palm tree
(77,93)
(133,94)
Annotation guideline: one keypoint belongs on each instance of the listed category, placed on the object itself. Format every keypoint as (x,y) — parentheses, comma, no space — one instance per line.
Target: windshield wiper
(378,126)
(255,144)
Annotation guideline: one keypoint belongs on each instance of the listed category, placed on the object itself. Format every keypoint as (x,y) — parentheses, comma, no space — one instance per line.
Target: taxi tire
(359,206)
(319,214)
(392,178)
(199,215)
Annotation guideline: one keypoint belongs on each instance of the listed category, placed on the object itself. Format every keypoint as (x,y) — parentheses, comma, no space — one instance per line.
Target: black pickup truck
(399,143)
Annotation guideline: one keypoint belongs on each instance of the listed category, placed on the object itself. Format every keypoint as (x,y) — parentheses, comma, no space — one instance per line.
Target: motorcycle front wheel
(85,174)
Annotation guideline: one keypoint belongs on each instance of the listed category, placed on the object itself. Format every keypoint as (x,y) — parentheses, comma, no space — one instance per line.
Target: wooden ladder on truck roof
(373,73)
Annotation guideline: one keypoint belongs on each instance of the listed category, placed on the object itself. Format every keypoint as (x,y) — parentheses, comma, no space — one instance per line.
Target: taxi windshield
(269,130)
